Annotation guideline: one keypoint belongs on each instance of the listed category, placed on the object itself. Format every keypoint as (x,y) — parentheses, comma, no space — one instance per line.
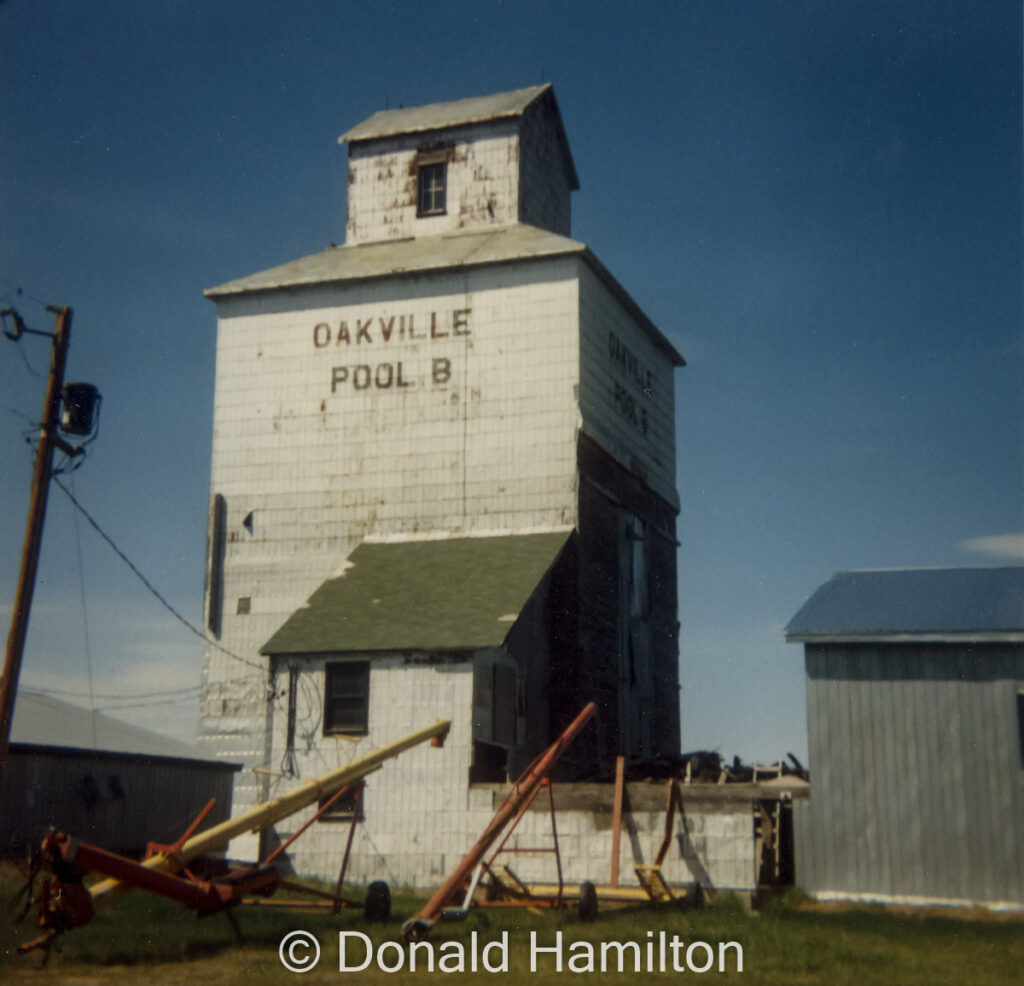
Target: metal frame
(652,887)
(516,894)
(64,902)
(523,792)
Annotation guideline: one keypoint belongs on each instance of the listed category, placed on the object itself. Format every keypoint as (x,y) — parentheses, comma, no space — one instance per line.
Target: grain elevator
(442,485)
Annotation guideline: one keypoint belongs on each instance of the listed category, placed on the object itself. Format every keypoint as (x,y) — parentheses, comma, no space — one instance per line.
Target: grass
(156,942)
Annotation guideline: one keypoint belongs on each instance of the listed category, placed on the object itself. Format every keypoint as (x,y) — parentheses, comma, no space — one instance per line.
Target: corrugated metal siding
(151,799)
(917,782)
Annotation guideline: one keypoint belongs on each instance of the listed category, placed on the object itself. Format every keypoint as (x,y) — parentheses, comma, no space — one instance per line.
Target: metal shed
(100,779)
(915,708)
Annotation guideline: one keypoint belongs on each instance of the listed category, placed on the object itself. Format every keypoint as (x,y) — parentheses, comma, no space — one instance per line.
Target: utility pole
(48,439)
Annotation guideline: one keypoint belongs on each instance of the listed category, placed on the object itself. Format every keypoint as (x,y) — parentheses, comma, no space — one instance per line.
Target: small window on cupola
(431,182)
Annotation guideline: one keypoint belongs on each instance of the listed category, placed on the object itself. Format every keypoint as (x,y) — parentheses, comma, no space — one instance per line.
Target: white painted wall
(314,437)
(415,804)
(482,186)
(445,402)
(499,172)
(722,860)
(545,194)
(627,387)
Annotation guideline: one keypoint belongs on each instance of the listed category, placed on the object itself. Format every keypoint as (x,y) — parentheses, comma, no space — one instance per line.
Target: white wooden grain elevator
(443,485)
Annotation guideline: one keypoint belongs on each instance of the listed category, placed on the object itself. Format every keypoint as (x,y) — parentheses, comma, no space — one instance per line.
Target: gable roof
(976,604)
(43,721)
(459,113)
(437,116)
(442,594)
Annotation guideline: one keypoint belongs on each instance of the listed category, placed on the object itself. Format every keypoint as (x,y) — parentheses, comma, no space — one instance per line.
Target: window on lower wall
(347,697)
(489,764)
(347,807)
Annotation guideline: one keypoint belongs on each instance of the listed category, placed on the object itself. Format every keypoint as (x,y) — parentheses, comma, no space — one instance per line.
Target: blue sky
(819,204)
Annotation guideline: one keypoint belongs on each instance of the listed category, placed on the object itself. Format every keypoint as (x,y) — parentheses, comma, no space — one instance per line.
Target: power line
(146,705)
(20,292)
(149,585)
(21,414)
(85,621)
(20,326)
(32,371)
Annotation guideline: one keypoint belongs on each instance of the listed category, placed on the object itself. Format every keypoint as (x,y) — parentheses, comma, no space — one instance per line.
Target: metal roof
(914,604)
(396,258)
(439,116)
(442,594)
(40,720)
(387,258)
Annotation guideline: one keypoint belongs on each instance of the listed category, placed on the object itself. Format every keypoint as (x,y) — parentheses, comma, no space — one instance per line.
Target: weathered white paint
(720,856)
(317,465)
(415,798)
(499,172)
(422,815)
(627,387)
(444,402)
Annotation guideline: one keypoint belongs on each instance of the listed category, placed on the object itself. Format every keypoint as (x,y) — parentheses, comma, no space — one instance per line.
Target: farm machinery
(183,871)
(483,879)
(480,862)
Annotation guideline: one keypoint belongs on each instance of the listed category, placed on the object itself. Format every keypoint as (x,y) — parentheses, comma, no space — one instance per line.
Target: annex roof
(44,721)
(458,593)
(914,604)
(396,258)
(458,113)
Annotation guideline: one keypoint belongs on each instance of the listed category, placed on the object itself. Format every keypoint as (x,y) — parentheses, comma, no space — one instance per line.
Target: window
(347,807)
(638,570)
(634,574)
(431,183)
(496,704)
(347,697)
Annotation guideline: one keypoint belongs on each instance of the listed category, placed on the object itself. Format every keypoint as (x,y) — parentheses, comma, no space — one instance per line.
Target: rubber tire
(377,906)
(587,903)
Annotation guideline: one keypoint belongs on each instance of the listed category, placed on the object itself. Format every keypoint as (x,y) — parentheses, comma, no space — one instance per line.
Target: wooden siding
(608,493)
(129,801)
(493,449)
(917,784)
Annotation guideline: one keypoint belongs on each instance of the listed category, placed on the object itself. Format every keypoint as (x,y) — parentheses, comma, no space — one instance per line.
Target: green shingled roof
(455,593)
